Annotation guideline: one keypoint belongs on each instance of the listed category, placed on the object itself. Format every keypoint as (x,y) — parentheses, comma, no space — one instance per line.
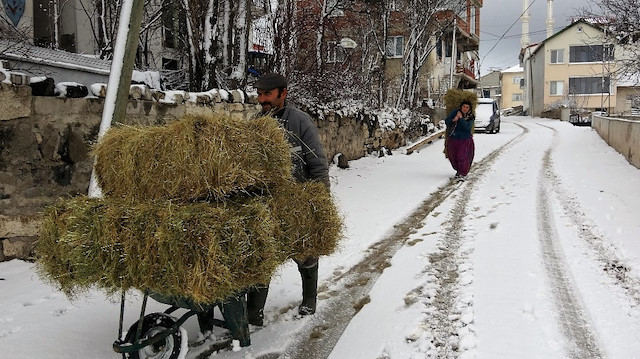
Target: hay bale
(452,100)
(454,97)
(309,222)
(202,251)
(192,159)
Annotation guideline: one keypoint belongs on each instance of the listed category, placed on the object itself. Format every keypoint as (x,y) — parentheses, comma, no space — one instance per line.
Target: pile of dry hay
(191,159)
(176,245)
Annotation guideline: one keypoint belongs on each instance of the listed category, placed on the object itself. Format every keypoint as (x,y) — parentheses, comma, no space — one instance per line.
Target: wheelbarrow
(159,335)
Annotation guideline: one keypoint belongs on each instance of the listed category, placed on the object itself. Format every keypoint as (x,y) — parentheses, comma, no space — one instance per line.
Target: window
(556,88)
(557,56)
(259,4)
(592,53)
(516,97)
(472,21)
(448,48)
(394,46)
(169,64)
(334,8)
(517,79)
(335,52)
(486,93)
(43,34)
(588,85)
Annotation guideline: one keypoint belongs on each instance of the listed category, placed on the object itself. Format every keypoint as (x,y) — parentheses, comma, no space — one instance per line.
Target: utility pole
(453,52)
(124,54)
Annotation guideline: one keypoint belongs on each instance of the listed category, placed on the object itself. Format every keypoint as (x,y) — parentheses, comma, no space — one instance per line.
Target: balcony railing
(466,69)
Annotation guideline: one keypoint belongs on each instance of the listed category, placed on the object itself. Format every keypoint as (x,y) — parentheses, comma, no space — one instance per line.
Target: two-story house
(454,64)
(512,84)
(572,68)
(452,48)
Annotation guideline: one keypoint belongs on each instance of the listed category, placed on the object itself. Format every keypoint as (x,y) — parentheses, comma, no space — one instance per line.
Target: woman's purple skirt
(460,153)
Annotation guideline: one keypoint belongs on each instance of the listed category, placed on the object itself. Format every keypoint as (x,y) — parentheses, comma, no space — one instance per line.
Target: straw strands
(178,245)
(195,158)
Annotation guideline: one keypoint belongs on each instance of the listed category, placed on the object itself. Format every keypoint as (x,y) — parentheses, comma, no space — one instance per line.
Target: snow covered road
(536,255)
(512,266)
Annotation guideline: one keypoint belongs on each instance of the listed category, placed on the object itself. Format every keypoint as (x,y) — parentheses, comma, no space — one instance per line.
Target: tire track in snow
(350,293)
(613,266)
(573,323)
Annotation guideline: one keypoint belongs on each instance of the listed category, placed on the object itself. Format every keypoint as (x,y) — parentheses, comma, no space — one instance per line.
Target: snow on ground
(536,242)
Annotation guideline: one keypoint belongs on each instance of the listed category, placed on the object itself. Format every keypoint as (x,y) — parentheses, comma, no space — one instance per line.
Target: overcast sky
(496,16)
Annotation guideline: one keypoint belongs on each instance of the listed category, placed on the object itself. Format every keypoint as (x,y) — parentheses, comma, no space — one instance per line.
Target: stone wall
(45,144)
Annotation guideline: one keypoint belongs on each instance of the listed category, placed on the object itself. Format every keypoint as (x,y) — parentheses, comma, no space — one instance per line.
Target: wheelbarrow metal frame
(233,311)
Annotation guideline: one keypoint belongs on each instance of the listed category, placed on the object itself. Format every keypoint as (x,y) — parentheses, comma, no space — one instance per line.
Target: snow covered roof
(56,58)
(516,68)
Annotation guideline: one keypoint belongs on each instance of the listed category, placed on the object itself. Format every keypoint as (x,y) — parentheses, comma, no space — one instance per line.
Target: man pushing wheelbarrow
(194,214)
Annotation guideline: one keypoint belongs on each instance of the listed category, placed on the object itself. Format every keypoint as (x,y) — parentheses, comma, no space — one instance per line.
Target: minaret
(525,41)
(549,18)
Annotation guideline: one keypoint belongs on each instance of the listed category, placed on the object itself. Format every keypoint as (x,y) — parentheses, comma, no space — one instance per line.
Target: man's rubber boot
(205,320)
(309,290)
(256,299)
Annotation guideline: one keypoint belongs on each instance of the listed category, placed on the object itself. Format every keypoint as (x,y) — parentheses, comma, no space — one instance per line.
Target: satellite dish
(348,43)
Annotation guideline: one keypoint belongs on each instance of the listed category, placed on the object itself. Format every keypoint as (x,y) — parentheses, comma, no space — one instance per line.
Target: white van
(487,116)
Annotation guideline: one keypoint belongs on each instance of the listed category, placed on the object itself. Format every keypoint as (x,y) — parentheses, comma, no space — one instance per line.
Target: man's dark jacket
(307,154)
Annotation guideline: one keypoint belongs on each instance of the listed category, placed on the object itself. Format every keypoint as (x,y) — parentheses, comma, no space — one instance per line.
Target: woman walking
(460,145)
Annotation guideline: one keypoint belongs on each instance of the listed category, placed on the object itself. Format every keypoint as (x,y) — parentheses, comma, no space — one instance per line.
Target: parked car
(487,116)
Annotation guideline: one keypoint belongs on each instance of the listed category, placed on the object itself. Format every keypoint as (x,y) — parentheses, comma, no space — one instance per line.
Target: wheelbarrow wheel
(152,324)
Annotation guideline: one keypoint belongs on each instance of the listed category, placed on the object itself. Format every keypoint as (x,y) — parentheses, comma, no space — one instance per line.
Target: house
(463,41)
(334,39)
(489,86)
(512,84)
(61,66)
(572,68)
(31,47)
(628,95)
(348,42)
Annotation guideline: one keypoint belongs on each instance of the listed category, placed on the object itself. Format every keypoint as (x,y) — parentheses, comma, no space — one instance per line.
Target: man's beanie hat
(270,81)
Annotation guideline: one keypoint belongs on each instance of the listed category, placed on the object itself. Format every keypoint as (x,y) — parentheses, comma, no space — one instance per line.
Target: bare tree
(424,29)
(312,46)
(621,19)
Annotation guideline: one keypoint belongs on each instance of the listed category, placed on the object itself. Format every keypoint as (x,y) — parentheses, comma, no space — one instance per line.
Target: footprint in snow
(528,311)
(6,333)
(61,311)
(39,300)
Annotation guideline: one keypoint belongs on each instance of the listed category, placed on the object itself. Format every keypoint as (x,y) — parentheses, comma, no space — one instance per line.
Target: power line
(519,34)
(505,33)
